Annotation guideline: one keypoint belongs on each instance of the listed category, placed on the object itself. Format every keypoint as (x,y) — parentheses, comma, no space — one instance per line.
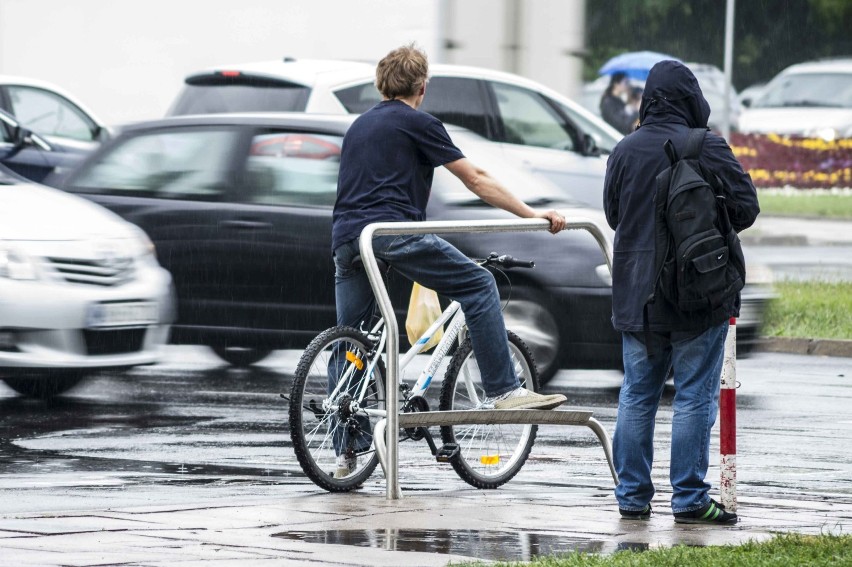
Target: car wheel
(44,386)
(530,317)
(240,356)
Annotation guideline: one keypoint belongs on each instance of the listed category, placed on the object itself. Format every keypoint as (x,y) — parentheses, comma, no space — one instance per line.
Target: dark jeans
(697,364)
(436,264)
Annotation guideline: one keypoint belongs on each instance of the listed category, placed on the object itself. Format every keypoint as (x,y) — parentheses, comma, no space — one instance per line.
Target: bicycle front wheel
(334,406)
(489,455)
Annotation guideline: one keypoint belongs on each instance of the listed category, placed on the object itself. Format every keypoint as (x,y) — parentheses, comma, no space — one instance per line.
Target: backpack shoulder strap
(671,153)
(694,143)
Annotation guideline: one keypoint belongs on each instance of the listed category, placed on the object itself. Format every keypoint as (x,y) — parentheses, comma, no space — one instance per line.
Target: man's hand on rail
(557,220)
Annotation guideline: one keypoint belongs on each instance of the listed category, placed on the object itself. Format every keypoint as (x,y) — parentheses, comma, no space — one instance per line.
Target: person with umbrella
(614,109)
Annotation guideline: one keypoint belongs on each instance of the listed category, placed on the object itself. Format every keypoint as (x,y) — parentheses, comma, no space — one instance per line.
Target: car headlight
(828,134)
(16,265)
(143,248)
(604,274)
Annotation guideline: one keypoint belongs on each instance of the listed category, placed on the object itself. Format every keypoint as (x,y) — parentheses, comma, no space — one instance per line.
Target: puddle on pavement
(495,545)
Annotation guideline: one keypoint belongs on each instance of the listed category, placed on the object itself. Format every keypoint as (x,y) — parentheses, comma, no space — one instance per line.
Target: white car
(811,99)
(52,112)
(80,290)
(528,123)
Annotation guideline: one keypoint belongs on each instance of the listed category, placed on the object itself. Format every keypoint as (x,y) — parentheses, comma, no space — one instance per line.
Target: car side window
(458,101)
(171,164)
(359,99)
(50,114)
(292,168)
(528,119)
(452,100)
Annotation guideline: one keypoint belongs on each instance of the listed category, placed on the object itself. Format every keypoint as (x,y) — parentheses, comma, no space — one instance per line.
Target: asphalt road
(804,263)
(193,430)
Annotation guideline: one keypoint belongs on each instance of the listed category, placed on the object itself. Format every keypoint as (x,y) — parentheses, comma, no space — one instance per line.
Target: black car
(239,208)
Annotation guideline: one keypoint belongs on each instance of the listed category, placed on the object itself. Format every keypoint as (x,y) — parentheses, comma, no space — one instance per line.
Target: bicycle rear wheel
(490,455)
(323,427)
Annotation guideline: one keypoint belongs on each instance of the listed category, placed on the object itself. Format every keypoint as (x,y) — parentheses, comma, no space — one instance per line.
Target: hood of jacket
(672,94)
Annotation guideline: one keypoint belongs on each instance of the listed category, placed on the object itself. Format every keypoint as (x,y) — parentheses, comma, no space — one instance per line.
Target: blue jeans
(436,264)
(697,364)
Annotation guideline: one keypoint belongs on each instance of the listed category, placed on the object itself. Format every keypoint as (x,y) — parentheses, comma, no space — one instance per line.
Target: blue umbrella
(634,64)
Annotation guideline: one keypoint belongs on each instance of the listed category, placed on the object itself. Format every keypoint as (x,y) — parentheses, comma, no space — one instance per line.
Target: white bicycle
(338,396)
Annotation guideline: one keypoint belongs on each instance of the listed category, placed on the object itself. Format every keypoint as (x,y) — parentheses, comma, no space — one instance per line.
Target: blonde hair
(402,72)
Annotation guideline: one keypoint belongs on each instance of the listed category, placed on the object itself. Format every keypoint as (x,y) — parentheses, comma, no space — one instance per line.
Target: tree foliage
(769,35)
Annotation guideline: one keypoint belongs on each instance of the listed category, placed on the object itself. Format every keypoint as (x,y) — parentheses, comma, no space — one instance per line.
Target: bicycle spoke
(328,428)
(490,454)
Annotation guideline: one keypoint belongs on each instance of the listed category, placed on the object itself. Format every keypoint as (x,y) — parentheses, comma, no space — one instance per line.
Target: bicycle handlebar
(507,261)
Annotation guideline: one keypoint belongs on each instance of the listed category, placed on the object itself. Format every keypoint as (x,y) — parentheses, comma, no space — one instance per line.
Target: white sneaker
(521,398)
(345,466)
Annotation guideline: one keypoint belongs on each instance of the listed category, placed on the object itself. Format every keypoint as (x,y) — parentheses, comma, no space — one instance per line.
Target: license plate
(124,314)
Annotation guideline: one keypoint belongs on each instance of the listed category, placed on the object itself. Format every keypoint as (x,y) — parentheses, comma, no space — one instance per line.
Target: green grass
(815,310)
(822,205)
(786,550)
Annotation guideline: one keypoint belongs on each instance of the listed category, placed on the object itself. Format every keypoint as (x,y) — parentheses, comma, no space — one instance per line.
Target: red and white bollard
(728,421)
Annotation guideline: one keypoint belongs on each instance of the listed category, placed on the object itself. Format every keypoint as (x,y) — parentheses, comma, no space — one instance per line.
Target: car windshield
(215,98)
(830,90)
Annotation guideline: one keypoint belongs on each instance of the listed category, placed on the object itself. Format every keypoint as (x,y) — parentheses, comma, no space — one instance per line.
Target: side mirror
(746,102)
(100,134)
(590,148)
(24,137)
(20,136)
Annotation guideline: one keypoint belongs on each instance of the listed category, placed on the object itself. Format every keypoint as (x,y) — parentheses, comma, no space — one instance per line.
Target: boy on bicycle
(387,161)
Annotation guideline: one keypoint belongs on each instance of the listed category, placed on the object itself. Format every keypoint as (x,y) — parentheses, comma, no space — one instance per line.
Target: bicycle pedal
(447,453)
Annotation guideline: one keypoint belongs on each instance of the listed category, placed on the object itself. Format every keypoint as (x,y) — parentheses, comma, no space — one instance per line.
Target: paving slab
(364,528)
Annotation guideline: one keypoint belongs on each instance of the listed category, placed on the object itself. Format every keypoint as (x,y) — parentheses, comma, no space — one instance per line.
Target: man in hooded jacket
(690,344)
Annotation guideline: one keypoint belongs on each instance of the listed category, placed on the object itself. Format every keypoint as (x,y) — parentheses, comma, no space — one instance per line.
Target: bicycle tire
(490,455)
(313,429)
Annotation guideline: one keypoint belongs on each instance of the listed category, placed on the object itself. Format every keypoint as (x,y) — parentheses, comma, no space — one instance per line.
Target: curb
(818,347)
(775,240)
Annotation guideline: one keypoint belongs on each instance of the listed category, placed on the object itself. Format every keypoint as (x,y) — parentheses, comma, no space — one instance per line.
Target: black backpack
(699,262)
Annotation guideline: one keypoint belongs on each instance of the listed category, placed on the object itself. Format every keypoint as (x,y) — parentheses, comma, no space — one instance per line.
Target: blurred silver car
(80,290)
(812,99)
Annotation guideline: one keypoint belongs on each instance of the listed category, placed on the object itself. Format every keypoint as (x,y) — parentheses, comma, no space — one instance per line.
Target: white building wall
(126,59)
(539,39)
(555,37)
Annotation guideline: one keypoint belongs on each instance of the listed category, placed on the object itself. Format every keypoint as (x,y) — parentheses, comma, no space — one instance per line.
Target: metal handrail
(368,258)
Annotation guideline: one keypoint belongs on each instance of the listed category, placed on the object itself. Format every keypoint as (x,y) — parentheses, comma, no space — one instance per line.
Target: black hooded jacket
(671,104)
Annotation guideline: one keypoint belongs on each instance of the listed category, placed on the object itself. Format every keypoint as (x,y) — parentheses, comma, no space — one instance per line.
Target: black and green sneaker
(643,514)
(711,513)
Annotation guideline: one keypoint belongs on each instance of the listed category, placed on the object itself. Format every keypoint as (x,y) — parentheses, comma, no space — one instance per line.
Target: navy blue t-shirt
(387,161)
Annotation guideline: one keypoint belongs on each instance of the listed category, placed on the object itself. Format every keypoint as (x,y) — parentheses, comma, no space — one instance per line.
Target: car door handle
(246,225)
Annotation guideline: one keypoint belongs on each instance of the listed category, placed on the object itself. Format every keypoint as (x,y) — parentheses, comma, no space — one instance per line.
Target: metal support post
(368,257)
(728,421)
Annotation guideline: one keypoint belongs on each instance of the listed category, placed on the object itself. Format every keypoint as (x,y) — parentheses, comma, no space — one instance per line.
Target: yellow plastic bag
(423,310)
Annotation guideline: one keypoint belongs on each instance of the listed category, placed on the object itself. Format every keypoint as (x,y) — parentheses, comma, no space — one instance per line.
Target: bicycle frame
(455,329)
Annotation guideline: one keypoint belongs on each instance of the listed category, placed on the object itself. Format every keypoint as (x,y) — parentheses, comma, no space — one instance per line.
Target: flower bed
(804,163)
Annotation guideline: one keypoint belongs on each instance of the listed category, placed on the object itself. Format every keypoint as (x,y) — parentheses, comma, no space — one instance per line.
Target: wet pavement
(190,461)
